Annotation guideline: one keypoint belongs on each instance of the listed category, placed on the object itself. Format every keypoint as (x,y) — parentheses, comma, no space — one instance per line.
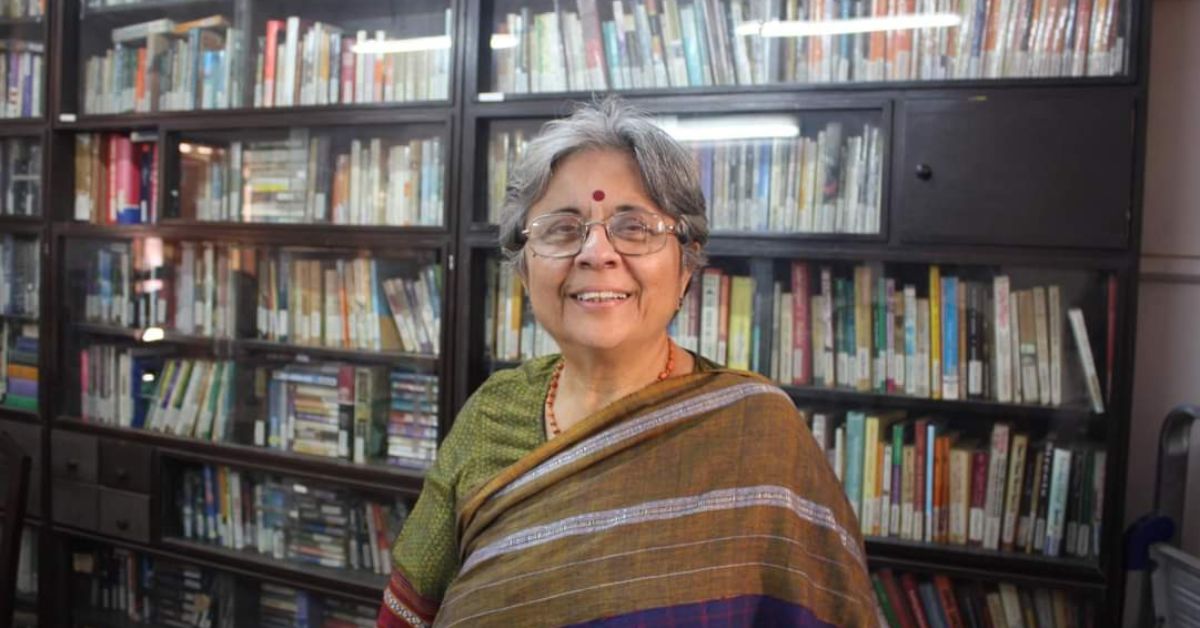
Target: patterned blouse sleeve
(425,554)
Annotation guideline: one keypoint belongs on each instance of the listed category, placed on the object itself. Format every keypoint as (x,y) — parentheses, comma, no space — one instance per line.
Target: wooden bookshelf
(1041,229)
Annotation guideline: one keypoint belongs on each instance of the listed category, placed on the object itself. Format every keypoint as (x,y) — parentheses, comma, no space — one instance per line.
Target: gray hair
(668,172)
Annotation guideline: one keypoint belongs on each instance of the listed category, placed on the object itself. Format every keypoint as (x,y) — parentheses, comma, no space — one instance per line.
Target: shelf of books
(807,173)
(119,586)
(332,354)
(725,45)
(162,56)
(353,176)
(933,598)
(961,406)
(23,69)
(20,313)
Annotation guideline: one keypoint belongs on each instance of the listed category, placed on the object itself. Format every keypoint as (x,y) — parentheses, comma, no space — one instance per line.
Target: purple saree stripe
(746,610)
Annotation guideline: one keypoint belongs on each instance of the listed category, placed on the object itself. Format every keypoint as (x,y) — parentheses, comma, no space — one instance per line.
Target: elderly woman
(626,481)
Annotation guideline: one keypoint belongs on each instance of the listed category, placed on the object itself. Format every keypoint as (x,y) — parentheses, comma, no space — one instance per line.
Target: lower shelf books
(20,276)
(145,590)
(21,178)
(909,600)
(282,606)
(118,587)
(924,480)
(19,365)
(287,519)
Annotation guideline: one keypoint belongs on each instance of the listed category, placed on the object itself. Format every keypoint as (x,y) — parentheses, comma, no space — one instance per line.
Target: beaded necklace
(558,369)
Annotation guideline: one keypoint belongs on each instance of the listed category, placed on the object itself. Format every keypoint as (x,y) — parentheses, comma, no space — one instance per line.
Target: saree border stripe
(756,565)
(649,550)
(740,610)
(665,509)
(674,413)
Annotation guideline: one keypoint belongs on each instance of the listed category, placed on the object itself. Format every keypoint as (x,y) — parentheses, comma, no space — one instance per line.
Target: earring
(680,305)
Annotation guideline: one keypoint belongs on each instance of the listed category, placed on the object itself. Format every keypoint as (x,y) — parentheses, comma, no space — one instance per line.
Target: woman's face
(566,293)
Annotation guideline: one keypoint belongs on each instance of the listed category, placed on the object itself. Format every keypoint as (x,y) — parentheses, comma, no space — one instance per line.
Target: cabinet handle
(123,524)
(924,172)
(72,466)
(122,475)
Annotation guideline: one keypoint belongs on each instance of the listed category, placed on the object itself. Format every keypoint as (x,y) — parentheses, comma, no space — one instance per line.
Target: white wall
(1167,364)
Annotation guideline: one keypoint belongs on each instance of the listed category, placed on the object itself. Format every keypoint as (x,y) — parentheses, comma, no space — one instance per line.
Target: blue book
(705,55)
(932,606)
(930,449)
(950,338)
(762,188)
(852,479)
(691,46)
(611,54)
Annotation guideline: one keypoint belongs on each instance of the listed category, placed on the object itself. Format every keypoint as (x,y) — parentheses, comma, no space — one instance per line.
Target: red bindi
(598,195)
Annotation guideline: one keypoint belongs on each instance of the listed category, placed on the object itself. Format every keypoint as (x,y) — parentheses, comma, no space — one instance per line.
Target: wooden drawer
(125,466)
(73,456)
(29,438)
(74,504)
(126,515)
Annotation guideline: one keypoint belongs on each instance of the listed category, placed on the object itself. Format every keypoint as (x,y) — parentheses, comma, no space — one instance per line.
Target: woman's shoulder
(519,382)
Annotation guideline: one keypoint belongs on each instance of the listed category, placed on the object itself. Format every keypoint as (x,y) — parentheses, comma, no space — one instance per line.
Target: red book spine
(801,338)
(269,61)
(946,592)
(914,599)
(920,451)
(979,472)
(348,61)
(898,599)
(114,179)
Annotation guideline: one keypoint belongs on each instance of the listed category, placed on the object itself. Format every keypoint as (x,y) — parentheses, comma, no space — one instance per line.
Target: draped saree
(701,500)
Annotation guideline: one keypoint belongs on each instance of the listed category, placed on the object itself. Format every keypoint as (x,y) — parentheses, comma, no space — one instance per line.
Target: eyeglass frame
(678,229)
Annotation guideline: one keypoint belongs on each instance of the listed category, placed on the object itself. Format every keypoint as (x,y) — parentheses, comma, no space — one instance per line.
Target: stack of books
(510,330)
(21,177)
(829,182)
(412,427)
(908,600)
(161,65)
(116,178)
(282,606)
(21,276)
(304,178)
(677,44)
(925,480)
(19,371)
(301,62)
(944,337)
(22,70)
(331,410)
(345,303)
(287,519)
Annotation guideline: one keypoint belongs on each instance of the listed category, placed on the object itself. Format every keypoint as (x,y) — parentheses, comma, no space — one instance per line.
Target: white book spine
(1002,368)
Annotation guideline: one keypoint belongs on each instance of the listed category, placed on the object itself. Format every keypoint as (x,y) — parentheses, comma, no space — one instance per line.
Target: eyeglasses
(630,232)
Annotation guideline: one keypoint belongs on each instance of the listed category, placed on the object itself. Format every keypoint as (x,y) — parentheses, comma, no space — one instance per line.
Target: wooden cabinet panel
(28,437)
(125,466)
(73,456)
(74,504)
(126,515)
(1038,171)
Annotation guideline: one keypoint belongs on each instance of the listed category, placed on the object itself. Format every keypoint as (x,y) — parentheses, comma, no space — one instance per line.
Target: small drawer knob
(924,172)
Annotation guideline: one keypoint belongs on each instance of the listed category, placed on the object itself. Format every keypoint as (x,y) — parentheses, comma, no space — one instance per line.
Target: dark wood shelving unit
(359,585)
(374,477)
(463,241)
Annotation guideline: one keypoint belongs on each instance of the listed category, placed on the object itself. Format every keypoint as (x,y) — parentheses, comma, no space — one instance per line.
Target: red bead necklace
(554,430)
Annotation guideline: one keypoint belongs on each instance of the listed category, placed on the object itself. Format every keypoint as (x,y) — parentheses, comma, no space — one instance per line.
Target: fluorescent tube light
(501,41)
(729,128)
(777,28)
(413,44)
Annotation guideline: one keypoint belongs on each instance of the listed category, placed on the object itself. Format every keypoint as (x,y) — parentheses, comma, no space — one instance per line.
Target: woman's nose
(597,250)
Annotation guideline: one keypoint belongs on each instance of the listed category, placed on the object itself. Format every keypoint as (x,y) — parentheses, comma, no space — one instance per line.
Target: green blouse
(500,423)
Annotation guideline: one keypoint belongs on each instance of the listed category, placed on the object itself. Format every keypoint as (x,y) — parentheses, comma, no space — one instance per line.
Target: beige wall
(1167,367)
